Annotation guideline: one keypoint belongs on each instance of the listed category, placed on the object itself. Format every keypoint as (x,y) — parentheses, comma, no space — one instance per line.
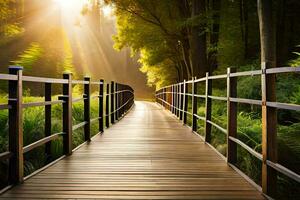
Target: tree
(269,131)
(179,28)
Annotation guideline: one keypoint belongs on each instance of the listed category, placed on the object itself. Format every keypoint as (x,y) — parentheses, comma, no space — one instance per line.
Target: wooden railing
(175,98)
(118,101)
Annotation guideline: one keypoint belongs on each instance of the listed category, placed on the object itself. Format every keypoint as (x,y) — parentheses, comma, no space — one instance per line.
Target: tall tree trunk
(267,33)
(269,115)
(186,57)
(214,8)
(197,39)
(244,24)
(282,46)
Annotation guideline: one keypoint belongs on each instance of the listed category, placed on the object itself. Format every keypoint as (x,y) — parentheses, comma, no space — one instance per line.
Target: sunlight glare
(69,4)
(107,11)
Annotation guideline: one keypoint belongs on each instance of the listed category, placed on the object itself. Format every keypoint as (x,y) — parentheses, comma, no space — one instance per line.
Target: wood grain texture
(149,154)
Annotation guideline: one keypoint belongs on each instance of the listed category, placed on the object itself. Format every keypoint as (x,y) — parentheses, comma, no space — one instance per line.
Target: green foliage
(30,56)
(230,41)
(8,30)
(33,130)
(295,62)
(152,30)
(67,59)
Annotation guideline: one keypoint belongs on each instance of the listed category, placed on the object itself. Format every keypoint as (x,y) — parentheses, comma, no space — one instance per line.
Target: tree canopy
(188,38)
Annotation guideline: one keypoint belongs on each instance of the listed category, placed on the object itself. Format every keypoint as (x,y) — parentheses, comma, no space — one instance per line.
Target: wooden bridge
(147,153)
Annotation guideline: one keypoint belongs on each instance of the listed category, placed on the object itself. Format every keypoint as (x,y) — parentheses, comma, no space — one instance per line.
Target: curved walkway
(147,155)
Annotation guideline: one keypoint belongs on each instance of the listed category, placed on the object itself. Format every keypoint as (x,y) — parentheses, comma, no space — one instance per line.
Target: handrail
(122,99)
(41,142)
(175,99)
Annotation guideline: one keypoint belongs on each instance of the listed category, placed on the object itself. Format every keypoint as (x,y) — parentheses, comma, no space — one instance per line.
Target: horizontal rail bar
(223,76)
(5,155)
(77,126)
(217,98)
(95,96)
(95,83)
(282,70)
(200,96)
(200,80)
(41,142)
(284,106)
(122,105)
(80,82)
(246,73)
(284,171)
(199,117)
(78,99)
(122,91)
(8,77)
(43,103)
(44,80)
(95,119)
(246,147)
(246,101)
(5,106)
(217,126)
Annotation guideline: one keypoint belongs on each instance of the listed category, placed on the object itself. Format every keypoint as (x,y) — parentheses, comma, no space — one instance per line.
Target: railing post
(208,90)
(269,131)
(87,109)
(185,104)
(67,114)
(117,102)
(181,101)
(194,106)
(112,102)
(101,97)
(177,101)
(175,94)
(15,124)
(122,100)
(231,117)
(48,124)
(172,98)
(107,106)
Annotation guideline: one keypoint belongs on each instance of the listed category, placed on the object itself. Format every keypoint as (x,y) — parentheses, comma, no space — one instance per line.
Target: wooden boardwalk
(147,155)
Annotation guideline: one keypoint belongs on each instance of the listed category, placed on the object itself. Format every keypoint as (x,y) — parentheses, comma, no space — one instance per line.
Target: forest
(181,39)
(170,41)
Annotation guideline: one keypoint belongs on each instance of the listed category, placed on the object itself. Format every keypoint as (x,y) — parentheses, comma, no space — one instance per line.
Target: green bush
(33,130)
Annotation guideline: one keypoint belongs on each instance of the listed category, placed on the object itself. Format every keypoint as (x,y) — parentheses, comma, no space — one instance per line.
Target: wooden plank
(146,155)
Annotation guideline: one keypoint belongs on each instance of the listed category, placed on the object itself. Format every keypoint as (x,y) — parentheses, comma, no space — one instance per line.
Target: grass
(249,132)
(33,130)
